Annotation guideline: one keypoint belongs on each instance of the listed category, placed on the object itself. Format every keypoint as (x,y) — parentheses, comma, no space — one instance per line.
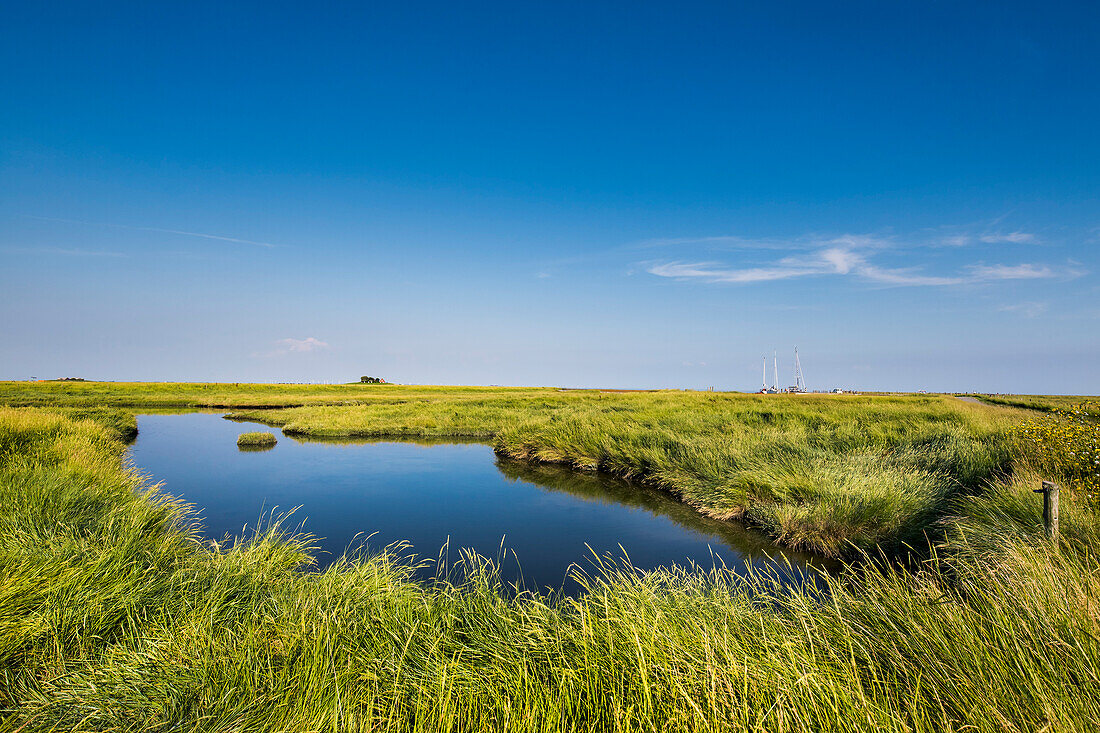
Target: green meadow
(831,474)
(114,615)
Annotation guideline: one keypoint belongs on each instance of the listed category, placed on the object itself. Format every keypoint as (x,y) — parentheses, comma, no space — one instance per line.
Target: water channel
(432,495)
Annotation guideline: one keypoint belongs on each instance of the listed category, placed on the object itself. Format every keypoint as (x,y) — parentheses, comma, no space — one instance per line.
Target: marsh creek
(434,494)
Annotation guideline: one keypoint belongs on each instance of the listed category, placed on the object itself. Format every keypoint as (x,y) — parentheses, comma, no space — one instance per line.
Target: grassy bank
(114,617)
(830,474)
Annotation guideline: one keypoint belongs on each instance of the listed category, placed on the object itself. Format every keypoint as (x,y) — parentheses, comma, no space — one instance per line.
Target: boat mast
(799,382)
(775,370)
(764,379)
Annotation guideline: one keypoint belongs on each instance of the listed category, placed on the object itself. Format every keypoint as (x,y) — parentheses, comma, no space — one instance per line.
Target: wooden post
(1050,508)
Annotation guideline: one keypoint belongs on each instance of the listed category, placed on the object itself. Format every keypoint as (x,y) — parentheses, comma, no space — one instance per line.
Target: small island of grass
(256,440)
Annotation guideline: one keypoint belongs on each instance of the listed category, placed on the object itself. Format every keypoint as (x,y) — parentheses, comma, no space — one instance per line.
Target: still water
(433,494)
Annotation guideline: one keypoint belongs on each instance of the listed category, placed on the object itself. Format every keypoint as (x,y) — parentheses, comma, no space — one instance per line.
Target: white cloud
(837,257)
(1029,309)
(850,255)
(906,277)
(723,242)
(301,345)
(1009,237)
(842,260)
(711,272)
(945,236)
(286,346)
(1010,272)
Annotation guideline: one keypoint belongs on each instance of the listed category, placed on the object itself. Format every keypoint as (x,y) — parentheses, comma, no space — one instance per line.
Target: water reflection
(606,489)
(255,448)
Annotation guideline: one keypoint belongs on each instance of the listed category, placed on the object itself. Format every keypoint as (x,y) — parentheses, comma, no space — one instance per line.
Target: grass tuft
(256,440)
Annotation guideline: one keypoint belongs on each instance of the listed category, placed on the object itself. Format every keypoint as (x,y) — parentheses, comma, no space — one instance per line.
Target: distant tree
(372,380)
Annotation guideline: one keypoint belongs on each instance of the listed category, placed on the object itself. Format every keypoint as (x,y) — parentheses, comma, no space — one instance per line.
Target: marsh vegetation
(114,615)
(831,474)
(438,496)
(256,440)
(834,475)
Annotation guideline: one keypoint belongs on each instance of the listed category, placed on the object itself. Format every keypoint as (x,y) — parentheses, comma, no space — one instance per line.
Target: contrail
(154,229)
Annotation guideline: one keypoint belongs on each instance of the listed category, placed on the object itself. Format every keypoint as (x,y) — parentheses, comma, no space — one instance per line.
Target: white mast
(775,370)
(764,379)
(799,382)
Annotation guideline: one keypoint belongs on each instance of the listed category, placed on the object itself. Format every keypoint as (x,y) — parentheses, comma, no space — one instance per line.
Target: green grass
(1042,403)
(829,474)
(256,440)
(200,395)
(115,616)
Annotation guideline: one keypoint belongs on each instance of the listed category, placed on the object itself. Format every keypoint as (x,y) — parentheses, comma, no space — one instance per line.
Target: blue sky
(626,195)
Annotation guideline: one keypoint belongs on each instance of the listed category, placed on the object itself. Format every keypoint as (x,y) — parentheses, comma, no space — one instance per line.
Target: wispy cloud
(66,251)
(721,242)
(714,273)
(301,345)
(946,236)
(968,236)
(286,346)
(1028,309)
(849,255)
(1010,272)
(1009,237)
(201,235)
(906,277)
(179,232)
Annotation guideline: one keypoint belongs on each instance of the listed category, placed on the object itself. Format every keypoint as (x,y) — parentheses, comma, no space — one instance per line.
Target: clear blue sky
(628,194)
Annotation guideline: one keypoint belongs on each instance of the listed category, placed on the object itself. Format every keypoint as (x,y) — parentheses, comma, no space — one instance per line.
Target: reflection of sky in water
(428,495)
